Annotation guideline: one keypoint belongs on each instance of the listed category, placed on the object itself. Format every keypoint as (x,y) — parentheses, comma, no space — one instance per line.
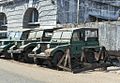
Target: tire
(15,57)
(38,61)
(28,59)
(56,58)
(7,56)
(103,69)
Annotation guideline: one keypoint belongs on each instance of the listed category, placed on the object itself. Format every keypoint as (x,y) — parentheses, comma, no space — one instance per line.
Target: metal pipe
(78,10)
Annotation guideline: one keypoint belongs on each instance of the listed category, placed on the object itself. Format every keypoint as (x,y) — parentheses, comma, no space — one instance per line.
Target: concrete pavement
(16,72)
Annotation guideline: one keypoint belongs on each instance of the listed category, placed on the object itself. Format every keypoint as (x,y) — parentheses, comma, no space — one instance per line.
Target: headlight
(23,42)
(48,45)
(38,46)
(48,52)
(2,43)
(15,43)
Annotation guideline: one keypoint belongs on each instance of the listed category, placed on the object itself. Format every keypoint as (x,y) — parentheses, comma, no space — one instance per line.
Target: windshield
(14,35)
(48,34)
(62,36)
(11,35)
(32,35)
(90,34)
(24,35)
(18,35)
(39,34)
(66,35)
(57,35)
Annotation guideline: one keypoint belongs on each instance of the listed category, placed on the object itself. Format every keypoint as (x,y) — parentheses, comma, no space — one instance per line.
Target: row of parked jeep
(69,47)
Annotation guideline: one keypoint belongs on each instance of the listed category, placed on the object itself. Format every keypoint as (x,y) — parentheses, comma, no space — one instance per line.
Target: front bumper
(31,55)
(15,51)
(41,55)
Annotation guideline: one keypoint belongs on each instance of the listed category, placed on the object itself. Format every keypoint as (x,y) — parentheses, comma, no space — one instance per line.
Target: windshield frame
(61,37)
(96,35)
(18,35)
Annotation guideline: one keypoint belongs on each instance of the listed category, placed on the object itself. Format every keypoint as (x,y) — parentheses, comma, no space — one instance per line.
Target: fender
(26,46)
(61,48)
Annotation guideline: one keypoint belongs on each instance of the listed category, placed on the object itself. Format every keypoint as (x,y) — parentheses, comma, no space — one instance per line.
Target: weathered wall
(89,10)
(98,9)
(67,11)
(109,35)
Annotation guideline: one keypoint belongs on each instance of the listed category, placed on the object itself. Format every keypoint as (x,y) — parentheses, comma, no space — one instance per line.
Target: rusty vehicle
(72,49)
(10,41)
(21,53)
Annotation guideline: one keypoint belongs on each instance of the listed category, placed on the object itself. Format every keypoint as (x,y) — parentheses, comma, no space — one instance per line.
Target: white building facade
(19,14)
(28,13)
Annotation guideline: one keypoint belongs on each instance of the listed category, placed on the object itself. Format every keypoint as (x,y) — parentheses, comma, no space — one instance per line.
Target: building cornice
(2,2)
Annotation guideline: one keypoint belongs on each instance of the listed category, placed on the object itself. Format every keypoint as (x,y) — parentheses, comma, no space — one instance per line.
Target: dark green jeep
(10,41)
(74,39)
(21,53)
(3,34)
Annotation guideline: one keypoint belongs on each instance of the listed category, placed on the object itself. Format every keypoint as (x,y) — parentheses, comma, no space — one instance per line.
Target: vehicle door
(77,42)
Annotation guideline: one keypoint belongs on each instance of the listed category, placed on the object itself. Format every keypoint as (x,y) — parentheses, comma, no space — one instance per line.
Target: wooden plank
(91,67)
(66,60)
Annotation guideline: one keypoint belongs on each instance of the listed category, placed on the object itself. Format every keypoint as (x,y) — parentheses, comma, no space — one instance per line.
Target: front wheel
(56,58)
(28,59)
(38,61)
(16,57)
(7,56)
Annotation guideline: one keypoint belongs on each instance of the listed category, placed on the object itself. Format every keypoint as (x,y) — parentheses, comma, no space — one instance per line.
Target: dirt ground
(41,74)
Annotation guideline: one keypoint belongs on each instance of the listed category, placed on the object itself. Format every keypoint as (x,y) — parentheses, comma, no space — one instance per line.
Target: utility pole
(78,10)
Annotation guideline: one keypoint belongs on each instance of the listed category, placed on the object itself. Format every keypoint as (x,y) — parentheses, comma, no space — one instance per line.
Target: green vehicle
(3,34)
(10,41)
(21,52)
(68,41)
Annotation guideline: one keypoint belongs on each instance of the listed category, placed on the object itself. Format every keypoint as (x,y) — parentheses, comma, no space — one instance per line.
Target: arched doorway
(30,19)
(3,21)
